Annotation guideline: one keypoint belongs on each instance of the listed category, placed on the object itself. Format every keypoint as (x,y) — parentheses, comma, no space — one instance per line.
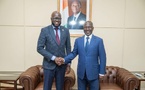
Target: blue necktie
(87,44)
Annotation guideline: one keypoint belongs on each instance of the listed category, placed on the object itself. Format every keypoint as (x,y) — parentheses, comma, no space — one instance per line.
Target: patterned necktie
(87,44)
(56,36)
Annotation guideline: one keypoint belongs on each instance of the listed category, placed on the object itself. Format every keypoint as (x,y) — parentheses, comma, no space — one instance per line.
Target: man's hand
(59,61)
(101,76)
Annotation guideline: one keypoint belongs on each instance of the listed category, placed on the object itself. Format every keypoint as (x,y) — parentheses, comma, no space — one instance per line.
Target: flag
(64,12)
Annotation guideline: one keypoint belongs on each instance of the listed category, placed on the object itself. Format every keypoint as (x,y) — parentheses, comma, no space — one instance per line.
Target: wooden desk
(9,77)
(141,77)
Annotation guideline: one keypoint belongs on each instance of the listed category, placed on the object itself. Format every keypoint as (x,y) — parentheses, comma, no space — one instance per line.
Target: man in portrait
(77,19)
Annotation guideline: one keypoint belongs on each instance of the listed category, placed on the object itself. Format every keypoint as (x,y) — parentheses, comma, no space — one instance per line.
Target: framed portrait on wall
(74,14)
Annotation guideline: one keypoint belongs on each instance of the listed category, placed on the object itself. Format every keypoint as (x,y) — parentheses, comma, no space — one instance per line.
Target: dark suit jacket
(47,45)
(79,23)
(93,62)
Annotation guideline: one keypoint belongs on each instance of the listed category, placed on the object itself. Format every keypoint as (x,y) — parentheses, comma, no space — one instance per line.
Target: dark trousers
(49,75)
(91,84)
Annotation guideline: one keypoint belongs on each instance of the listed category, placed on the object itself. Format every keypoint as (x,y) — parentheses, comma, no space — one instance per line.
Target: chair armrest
(30,78)
(69,80)
(126,79)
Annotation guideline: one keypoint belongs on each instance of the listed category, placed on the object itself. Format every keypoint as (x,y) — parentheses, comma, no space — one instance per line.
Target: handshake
(59,61)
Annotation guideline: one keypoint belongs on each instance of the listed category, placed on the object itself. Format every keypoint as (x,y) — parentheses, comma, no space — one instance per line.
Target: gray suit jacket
(47,45)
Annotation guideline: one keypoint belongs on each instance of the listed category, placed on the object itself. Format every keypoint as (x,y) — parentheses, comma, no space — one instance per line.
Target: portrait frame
(87,4)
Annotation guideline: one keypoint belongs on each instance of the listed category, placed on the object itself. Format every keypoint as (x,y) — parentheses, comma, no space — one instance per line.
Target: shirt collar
(77,15)
(54,27)
(88,36)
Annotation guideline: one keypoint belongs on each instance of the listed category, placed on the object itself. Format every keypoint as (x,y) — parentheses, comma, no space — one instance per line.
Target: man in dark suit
(91,60)
(77,20)
(54,42)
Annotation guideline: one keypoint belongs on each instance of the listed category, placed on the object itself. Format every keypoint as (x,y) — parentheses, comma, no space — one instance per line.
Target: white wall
(121,23)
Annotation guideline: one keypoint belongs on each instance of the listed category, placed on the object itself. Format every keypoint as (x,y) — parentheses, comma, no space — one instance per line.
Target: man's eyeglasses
(56,18)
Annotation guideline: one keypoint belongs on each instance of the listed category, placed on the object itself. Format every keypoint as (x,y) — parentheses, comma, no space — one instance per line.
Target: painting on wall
(74,14)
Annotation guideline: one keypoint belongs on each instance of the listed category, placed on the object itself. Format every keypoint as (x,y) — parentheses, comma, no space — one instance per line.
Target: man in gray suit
(54,42)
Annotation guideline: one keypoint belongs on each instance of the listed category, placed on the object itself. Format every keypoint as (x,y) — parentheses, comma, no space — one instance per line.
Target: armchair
(117,78)
(32,79)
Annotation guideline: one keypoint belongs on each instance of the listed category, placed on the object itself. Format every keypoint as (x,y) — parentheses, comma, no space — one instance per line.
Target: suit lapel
(53,34)
(78,19)
(83,44)
(91,43)
(61,34)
